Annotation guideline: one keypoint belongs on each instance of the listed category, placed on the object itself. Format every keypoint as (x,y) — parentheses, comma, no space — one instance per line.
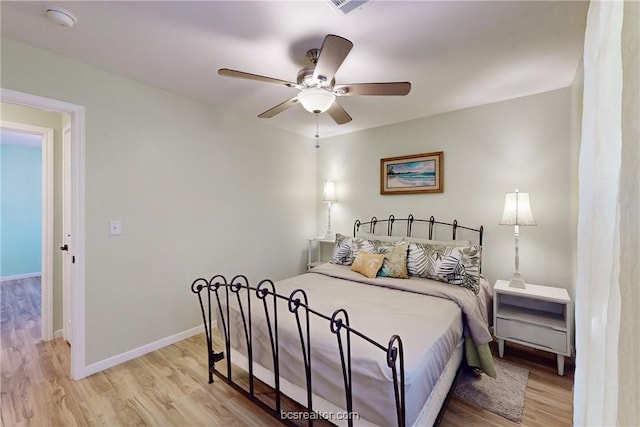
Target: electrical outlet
(115,228)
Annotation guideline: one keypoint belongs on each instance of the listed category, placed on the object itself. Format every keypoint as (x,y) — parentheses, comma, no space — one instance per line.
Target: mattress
(431,328)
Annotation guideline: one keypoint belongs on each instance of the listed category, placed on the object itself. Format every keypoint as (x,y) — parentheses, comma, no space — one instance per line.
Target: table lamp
(329,196)
(517,212)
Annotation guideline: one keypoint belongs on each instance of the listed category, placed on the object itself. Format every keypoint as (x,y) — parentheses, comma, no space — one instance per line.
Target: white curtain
(608,199)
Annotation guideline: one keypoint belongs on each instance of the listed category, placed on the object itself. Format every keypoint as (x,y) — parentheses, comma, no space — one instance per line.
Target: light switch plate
(115,228)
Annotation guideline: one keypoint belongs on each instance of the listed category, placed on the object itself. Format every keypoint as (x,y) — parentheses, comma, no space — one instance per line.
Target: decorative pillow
(347,248)
(395,261)
(342,252)
(457,265)
(364,245)
(367,264)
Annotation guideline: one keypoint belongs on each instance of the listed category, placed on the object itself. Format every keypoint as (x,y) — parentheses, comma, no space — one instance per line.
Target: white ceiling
(456,54)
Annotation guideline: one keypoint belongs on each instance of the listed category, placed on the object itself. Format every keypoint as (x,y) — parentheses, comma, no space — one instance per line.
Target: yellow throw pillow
(367,264)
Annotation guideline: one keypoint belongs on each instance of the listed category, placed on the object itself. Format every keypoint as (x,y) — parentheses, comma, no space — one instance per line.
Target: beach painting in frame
(417,173)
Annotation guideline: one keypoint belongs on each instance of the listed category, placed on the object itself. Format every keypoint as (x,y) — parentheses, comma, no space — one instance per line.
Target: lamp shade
(329,193)
(316,100)
(517,210)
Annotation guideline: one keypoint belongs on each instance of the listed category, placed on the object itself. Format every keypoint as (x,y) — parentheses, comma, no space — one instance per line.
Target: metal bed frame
(410,220)
(298,306)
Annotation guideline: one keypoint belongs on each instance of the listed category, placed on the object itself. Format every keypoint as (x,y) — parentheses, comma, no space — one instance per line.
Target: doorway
(76,197)
(27,245)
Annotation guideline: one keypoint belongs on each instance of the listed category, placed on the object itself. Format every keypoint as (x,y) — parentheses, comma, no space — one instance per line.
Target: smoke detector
(61,16)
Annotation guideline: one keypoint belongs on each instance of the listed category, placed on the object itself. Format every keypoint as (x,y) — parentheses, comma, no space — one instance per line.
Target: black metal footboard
(218,292)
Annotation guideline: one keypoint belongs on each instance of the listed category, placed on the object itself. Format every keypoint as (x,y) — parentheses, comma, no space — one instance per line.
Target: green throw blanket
(479,356)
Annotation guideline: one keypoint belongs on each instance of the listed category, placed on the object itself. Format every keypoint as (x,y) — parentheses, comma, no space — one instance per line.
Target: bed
(354,348)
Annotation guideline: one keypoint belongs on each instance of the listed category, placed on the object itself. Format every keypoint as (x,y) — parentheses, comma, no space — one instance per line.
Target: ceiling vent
(346,6)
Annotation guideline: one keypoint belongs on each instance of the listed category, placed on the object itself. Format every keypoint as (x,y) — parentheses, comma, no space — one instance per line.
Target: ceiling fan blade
(279,108)
(332,53)
(338,114)
(392,88)
(242,75)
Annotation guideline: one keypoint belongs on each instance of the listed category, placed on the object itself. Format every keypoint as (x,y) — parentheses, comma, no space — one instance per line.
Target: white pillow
(456,243)
(380,237)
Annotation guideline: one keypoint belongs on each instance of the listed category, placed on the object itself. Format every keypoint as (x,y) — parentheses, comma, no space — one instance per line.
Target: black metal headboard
(410,220)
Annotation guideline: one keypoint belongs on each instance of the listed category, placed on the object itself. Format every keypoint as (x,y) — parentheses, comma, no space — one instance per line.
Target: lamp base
(517,282)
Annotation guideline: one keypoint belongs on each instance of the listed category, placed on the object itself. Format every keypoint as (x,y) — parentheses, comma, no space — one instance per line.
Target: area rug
(503,395)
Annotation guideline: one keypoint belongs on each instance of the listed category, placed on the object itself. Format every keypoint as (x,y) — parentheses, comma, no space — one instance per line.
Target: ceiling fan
(316,82)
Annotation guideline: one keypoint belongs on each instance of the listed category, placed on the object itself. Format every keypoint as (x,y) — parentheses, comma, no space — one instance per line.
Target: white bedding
(431,327)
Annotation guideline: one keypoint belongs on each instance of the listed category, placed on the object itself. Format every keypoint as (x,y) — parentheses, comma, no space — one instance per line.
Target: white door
(67,242)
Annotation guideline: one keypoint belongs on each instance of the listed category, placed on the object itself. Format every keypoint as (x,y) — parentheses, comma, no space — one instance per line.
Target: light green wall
(51,120)
(628,338)
(198,191)
(184,179)
(490,150)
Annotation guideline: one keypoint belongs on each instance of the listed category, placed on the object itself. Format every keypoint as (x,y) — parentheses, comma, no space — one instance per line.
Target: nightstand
(320,251)
(537,316)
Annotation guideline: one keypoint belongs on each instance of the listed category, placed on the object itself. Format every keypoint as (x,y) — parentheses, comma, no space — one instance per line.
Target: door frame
(67,258)
(46,236)
(77,113)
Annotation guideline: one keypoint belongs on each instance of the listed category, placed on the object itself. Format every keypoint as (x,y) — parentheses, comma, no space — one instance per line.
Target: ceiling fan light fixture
(316,100)
(317,83)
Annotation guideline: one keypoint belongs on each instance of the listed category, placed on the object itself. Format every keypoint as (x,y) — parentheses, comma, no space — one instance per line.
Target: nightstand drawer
(532,334)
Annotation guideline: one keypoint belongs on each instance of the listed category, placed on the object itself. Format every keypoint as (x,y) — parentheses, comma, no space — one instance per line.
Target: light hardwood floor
(548,398)
(169,387)
(20,309)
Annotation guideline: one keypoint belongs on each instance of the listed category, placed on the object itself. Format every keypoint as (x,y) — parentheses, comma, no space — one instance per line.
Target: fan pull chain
(317,135)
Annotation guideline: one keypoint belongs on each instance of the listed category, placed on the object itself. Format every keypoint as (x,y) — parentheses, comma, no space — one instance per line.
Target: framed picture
(418,173)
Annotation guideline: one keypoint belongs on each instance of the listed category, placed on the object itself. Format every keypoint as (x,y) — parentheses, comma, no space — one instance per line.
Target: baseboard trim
(140,351)
(19,276)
